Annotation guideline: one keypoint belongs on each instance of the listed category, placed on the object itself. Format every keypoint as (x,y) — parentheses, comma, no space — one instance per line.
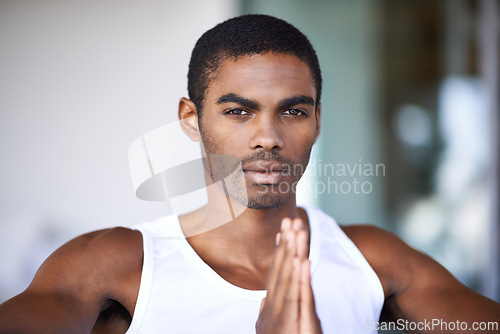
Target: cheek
(229,135)
(301,139)
(217,142)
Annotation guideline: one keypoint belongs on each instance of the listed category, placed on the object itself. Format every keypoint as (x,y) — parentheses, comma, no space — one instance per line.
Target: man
(254,85)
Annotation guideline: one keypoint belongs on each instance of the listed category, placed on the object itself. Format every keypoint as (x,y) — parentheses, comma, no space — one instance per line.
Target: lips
(265,172)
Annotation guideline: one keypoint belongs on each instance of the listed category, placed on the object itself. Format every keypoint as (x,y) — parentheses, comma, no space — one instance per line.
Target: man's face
(261,110)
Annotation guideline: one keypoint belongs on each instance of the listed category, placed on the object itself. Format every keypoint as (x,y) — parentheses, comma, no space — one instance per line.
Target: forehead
(261,76)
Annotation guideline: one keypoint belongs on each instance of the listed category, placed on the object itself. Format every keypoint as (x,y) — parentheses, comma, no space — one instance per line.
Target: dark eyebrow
(233,98)
(294,100)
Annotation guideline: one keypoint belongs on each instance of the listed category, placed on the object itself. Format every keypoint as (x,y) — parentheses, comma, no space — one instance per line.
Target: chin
(267,201)
(259,197)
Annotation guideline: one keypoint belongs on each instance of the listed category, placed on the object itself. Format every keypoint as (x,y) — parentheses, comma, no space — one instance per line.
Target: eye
(295,112)
(236,112)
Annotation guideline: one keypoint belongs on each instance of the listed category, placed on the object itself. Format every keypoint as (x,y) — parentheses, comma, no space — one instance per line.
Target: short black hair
(246,35)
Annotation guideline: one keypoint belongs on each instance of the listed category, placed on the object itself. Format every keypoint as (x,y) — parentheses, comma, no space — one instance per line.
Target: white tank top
(180,293)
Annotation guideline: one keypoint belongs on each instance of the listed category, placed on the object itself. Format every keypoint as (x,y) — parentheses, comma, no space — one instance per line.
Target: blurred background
(409,121)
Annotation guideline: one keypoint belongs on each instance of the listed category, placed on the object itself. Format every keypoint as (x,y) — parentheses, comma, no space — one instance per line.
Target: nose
(266,134)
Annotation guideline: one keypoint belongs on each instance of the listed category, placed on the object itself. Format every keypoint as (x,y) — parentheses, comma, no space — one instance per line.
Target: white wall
(79,81)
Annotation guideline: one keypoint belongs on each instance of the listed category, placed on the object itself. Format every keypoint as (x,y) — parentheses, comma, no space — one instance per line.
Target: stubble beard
(252,196)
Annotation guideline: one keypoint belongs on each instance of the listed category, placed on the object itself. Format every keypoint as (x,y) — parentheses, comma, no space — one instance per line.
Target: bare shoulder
(416,287)
(386,253)
(98,262)
(399,266)
(94,274)
(380,247)
(94,267)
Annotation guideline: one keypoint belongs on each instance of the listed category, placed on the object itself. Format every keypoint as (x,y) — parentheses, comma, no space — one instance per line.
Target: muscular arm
(76,283)
(416,287)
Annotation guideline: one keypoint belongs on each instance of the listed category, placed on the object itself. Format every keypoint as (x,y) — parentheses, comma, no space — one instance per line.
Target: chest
(239,276)
(346,295)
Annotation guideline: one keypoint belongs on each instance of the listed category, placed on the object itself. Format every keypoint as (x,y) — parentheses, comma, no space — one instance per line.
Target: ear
(318,122)
(188,117)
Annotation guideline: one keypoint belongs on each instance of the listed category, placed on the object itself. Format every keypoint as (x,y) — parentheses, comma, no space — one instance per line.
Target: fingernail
(278,237)
(285,224)
(297,224)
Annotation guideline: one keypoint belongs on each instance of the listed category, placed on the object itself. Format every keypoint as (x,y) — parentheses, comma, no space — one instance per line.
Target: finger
(283,282)
(302,245)
(306,294)
(309,320)
(286,224)
(291,306)
(276,264)
(303,240)
(279,254)
(297,224)
(307,306)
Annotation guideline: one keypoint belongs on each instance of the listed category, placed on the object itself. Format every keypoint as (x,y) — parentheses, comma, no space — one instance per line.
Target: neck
(247,235)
